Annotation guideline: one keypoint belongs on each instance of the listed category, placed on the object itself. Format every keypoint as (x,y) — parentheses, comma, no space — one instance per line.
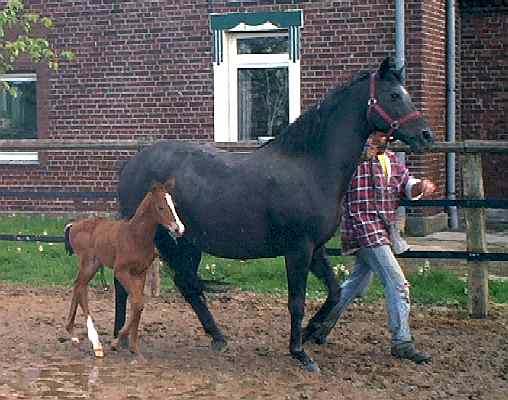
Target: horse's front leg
(297,268)
(319,327)
(184,258)
(137,304)
(121,296)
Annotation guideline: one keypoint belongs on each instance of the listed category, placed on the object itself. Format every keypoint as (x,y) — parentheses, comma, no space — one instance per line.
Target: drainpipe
(450,112)
(399,35)
(399,63)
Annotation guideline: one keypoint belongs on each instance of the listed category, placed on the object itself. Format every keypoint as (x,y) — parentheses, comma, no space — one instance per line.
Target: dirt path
(37,361)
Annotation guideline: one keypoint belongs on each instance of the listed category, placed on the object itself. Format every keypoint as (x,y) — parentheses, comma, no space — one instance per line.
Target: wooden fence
(472,174)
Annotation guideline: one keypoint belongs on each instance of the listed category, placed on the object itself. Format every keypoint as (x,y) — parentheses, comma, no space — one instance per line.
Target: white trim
(21,156)
(243,27)
(18,77)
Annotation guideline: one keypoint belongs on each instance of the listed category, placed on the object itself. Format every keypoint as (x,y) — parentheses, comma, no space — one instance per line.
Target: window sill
(19,162)
(19,158)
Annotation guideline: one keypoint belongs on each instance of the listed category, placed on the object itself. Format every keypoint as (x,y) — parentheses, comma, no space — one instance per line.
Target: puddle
(84,378)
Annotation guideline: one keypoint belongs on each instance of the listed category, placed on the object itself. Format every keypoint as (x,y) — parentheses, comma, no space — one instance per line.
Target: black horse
(282,199)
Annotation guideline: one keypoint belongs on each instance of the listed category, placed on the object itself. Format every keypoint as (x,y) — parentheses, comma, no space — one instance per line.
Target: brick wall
(426,76)
(144,70)
(484,88)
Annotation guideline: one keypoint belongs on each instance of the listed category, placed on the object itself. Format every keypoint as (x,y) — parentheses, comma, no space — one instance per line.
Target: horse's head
(165,209)
(391,110)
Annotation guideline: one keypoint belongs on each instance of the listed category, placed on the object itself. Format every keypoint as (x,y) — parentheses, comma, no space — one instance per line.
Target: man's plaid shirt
(370,194)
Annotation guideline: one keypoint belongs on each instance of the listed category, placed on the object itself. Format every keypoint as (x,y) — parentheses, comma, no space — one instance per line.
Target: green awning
(290,20)
(281,19)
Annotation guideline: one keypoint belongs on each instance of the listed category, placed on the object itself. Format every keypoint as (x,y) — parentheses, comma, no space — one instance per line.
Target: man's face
(376,144)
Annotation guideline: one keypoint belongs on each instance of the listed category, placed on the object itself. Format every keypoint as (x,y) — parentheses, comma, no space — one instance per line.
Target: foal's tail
(67,242)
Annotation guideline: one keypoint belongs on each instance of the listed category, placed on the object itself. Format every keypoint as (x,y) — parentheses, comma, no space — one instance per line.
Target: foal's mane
(305,133)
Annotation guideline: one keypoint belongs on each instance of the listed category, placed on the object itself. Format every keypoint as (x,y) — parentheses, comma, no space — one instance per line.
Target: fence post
(153,279)
(476,239)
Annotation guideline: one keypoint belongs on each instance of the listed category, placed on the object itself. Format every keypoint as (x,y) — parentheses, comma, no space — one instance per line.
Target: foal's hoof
(138,358)
(120,343)
(219,346)
(99,352)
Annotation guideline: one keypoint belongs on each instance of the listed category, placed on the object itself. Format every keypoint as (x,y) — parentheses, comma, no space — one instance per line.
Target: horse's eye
(395,96)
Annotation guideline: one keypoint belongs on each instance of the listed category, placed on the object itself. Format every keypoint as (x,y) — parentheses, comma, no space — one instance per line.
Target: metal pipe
(399,63)
(450,112)
(399,35)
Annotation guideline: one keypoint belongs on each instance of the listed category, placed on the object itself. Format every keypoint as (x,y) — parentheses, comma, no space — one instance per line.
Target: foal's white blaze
(171,205)
(93,336)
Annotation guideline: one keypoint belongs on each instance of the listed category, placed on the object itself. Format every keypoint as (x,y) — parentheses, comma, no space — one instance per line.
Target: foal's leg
(184,258)
(321,267)
(134,284)
(87,268)
(297,267)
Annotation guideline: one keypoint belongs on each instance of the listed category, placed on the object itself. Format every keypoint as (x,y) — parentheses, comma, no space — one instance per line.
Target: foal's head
(164,207)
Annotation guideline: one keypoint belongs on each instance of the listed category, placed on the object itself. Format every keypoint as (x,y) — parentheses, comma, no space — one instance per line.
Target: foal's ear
(385,67)
(170,184)
(156,186)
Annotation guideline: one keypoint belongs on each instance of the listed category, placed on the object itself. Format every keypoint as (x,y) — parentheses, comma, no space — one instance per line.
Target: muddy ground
(37,361)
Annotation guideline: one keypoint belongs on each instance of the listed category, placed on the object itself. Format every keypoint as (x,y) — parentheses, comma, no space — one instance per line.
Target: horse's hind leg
(322,269)
(184,258)
(87,269)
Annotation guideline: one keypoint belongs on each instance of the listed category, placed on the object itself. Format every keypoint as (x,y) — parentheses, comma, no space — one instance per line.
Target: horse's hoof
(120,343)
(138,358)
(99,352)
(312,367)
(219,346)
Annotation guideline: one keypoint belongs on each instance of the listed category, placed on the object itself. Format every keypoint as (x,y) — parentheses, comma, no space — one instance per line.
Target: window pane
(18,114)
(263,108)
(263,45)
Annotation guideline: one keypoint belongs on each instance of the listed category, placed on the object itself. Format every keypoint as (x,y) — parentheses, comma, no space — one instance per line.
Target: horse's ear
(170,184)
(155,186)
(385,67)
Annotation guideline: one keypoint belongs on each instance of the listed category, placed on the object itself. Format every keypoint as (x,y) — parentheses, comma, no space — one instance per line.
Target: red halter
(374,106)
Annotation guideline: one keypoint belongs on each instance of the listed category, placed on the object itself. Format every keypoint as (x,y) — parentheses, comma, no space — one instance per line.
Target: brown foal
(125,246)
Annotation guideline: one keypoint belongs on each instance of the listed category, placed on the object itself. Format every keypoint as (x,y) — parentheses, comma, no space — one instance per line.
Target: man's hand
(425,187)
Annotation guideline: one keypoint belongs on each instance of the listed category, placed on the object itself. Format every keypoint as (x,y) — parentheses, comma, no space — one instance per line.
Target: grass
(46,264)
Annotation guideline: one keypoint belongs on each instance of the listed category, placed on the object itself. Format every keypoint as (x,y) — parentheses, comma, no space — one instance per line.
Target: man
(369,210)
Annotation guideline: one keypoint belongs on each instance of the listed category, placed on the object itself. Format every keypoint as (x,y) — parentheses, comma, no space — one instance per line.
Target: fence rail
(474,202)
(468,146)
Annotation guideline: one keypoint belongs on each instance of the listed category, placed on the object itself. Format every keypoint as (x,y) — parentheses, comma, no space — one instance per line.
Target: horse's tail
(68,247)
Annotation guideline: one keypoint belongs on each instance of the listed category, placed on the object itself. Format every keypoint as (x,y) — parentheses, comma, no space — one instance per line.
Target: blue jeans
(381,261)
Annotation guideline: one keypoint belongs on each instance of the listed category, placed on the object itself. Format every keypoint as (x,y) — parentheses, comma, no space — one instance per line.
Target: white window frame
(19,157)
(226,77)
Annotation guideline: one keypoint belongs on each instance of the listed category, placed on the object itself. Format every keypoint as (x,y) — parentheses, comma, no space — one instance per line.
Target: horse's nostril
(427,135)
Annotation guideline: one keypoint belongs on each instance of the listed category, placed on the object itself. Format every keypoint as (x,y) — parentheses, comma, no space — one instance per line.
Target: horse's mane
(304,134)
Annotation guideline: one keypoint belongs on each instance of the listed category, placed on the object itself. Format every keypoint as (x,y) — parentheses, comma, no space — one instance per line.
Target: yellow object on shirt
(385,164)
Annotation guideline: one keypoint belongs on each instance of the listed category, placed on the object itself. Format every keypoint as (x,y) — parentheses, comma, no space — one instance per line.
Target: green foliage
(15,17)
(47,264)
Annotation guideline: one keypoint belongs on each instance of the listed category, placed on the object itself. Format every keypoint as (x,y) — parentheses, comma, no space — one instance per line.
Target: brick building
(158,69)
